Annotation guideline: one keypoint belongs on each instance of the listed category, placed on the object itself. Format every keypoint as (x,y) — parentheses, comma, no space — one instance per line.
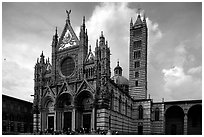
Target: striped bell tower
(138,59)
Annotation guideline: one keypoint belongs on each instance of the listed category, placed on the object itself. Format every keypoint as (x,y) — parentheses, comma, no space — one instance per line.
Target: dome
(120,80)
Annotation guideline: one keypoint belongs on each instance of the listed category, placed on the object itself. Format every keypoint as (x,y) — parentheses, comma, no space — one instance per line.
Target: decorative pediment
(85,85)
(90,58)
(48,92)
(68,38)
(65,88)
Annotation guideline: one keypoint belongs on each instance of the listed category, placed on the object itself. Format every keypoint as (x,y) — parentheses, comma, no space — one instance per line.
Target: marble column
(55,121)
(93,118)
(73,119)
(185,127)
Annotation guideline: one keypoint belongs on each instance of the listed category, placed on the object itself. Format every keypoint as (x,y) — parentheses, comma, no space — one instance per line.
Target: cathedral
(75,89)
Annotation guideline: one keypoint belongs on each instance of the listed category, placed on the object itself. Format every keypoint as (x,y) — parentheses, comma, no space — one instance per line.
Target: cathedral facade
(75,89)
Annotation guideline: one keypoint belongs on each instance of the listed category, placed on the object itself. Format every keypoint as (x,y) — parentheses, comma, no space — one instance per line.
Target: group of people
(80,131)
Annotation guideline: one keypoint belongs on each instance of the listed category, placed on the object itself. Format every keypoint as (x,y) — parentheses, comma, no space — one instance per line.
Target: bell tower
(138,59)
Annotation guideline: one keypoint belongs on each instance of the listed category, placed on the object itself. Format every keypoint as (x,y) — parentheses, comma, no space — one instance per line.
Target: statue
(68,12)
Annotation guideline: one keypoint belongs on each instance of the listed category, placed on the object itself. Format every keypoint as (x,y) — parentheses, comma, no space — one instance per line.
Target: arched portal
(174,117)
(64,108)
(84,115)
(195,120)
(47,114)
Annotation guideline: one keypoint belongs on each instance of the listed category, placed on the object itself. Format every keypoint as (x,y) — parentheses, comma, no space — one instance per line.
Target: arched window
(140,112)
(119,109)
(126,107)
(131,110)
(112,100)
(157,114)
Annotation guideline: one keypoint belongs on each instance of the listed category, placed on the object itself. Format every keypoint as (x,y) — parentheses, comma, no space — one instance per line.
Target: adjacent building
(17,116)
(75,89)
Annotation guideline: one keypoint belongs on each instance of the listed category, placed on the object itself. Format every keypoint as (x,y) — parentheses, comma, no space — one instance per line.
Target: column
(55,120)
(73,118)
(185,124)
(93,119)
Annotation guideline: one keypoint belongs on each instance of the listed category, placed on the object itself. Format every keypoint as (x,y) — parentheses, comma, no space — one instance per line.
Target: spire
(42,54)
(131,24)
(84,20)
(56,31)
(102,39)
(42,58)
(56,35)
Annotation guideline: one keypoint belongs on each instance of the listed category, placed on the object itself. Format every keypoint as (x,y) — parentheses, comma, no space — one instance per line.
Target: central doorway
(51,122)
(67,120)
(140,130)
(87,122)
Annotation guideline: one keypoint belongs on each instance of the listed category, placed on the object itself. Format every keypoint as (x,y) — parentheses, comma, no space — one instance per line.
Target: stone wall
(158,125)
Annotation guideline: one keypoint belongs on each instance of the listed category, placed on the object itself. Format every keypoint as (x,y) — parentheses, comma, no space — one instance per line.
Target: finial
(118,62)
(68,13)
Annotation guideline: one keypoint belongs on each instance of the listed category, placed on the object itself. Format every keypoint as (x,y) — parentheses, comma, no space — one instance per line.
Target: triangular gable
(68,38)
(65,88)
(48,91)
(85,85)
(90,57)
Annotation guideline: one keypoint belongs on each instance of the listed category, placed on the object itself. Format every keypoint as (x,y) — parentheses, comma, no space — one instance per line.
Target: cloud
(17,81)
(179,85)
(114,20)
(195,70)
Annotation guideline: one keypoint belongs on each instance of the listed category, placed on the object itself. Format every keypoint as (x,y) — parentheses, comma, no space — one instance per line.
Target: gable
(85,85)
(90,58)
(68,38)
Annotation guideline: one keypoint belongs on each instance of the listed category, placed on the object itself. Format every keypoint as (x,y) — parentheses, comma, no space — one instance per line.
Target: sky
(174,42)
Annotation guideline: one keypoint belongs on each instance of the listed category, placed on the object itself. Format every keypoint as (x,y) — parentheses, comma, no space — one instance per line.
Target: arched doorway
(195,120)
(50,114)
(174,117)
(64,106)
(47,114)
(84,115)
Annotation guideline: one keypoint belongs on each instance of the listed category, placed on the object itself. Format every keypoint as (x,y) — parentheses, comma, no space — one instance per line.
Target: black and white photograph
(102,68)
